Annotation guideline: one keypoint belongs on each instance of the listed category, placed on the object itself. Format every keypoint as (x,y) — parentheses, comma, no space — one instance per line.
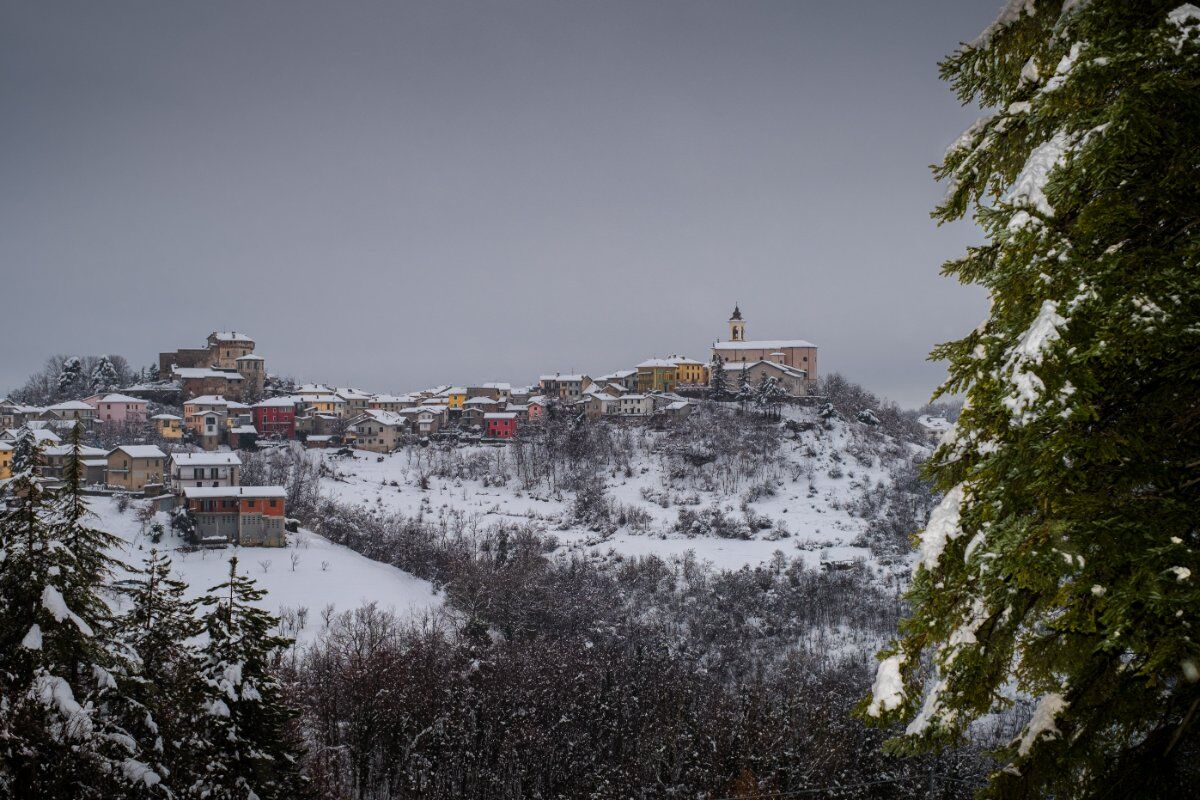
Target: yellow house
(690,371)
(455,397)
(6,456)
(325,404)
(168,426)
(657,375)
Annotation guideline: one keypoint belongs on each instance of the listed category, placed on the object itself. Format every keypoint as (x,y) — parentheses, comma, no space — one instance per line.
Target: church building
(795,353)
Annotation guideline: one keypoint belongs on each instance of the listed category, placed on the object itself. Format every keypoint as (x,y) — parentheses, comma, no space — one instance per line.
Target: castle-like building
(227,367)
(797,354)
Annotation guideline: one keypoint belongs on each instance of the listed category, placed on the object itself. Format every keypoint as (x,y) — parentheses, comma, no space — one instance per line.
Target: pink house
(537,407)
(117,408)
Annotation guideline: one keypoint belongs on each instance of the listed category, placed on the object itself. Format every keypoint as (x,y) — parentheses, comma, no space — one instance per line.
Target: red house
(276,417)
(500,424)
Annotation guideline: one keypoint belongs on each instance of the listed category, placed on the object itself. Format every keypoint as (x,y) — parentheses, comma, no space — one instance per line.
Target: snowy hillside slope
(805,501)
(323,574)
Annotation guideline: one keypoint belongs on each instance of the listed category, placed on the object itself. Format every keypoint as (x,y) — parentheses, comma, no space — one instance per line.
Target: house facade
(132,467)
(657,375)
(6,459)
(118,408)
(500,425)
(243,515)
(377,431)
(276,417)
(205,469)
(168,426)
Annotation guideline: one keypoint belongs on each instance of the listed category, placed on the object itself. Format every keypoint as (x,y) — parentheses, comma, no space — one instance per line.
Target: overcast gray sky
(398,194)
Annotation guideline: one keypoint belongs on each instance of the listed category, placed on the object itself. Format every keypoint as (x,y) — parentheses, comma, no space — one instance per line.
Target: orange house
(244,515)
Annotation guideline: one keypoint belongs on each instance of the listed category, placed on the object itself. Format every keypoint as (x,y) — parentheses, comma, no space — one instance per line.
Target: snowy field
(320,575)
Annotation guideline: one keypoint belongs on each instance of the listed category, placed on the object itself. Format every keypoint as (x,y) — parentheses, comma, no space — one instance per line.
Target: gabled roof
(139,451)
(656,362)
(390,418)
(207,400)
(206,459)
(120,398)
(66,449)
(276,402)
(250,357)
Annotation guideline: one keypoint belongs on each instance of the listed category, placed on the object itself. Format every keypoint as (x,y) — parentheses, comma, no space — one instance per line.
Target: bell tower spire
(737,326)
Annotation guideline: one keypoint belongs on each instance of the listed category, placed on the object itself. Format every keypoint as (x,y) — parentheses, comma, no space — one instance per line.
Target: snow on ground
(813,495)
(324,574)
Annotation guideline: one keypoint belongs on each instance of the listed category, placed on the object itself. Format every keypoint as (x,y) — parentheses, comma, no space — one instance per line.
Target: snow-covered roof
(763,344)
(166,416)
(456,390)
(254,492)
(677,405)
(93,462)
(616,376)
(504,387)
(66,449)
(324,398)
(482,400)
(238,406)
(5,446)
(352,394)
(934,423)
(276,402)
(656,362)
(677,359)
(391,418)
(120,398)
(71,405)
(191,373)
(574,378)
(206,459)
(537,399)
(250,357)
(207,400)
(500,415)
(230,336)
(39,434)
(243,430)
(139,451)
(314,388)
(393,398)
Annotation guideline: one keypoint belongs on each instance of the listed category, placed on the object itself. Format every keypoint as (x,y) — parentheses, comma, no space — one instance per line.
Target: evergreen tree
(250,750)
(166,692)
(718,384)
(27,454)
(104,375)
(152,373)
(1062,564)
(71,382)
(60,708)
(745,390)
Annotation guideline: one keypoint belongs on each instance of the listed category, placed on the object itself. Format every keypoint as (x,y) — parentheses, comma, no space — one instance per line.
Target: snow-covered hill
(803,502)
(310,574)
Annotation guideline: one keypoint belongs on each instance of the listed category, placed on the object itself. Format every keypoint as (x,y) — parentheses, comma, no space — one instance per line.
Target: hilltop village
(174,434)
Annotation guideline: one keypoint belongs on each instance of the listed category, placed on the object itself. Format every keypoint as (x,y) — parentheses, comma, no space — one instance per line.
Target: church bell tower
(737,326)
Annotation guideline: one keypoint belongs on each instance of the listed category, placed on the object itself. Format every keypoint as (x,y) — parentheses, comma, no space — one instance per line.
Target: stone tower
(737,325)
